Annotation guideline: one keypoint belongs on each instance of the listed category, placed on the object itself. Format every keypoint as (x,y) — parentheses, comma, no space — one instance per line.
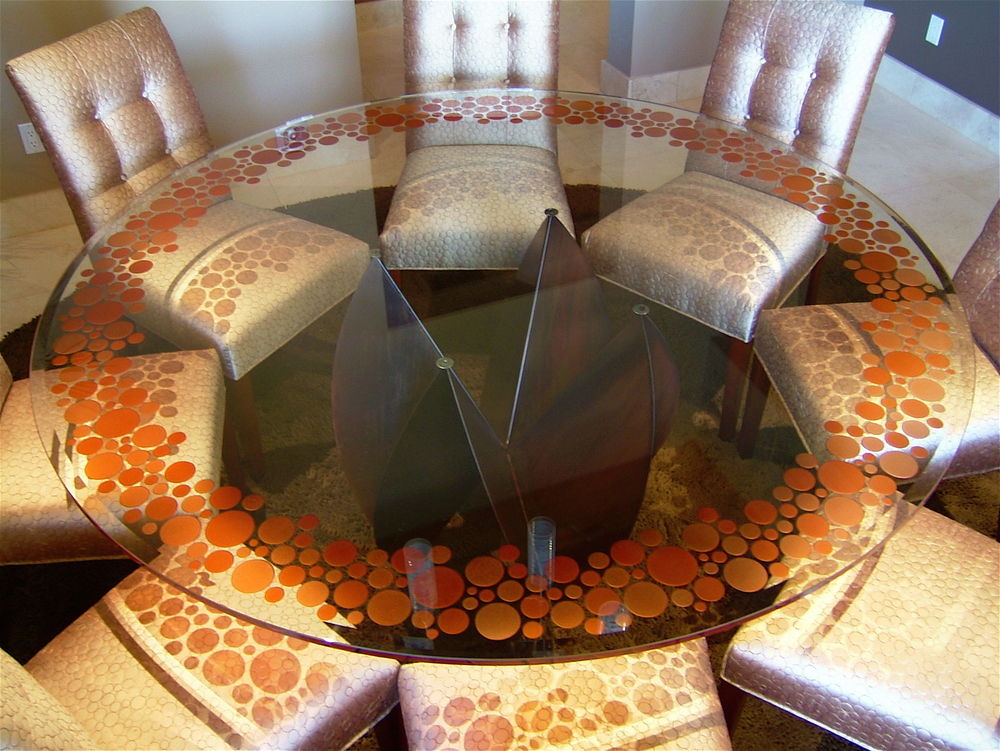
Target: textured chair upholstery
(475,44)
(657,699)
(31,719)
(115,111)
(796,70)
(150,667)
(715,250)
(473,197)
(471,206)
(39,521)
(799,71)
(118,115)
(794,347)
(977,281)
(900,652)
(287,272)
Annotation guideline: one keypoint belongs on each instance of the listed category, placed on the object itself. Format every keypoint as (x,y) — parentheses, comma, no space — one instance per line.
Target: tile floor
(942,183)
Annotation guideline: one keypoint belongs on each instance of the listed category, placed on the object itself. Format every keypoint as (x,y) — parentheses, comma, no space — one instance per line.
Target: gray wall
(253,63)
(968,59)
(654,36)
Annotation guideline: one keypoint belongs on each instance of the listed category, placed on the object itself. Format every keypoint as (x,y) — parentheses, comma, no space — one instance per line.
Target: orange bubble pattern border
(818,506)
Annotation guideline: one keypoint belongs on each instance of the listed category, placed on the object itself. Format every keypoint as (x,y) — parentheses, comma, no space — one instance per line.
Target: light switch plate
(934,28)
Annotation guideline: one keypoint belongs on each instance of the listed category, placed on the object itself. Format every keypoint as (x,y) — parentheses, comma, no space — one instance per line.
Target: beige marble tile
(25,214)
(30,267)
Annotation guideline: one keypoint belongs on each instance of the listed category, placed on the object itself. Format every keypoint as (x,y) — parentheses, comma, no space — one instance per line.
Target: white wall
(253,63)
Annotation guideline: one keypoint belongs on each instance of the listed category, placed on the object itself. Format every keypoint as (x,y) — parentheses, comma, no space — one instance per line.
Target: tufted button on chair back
(799,71)
(115,111)
(977,281)
(471,44)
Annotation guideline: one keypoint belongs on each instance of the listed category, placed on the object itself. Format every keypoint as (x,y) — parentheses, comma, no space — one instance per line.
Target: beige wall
(253,63)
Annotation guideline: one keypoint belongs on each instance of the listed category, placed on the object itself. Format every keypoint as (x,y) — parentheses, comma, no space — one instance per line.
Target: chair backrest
(115,112)
(470,44)
(6,379)
(977,281)
(800,71)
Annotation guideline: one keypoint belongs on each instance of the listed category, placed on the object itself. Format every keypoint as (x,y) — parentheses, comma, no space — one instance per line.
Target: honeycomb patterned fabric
(710,248)
(900,652)
(471,206)
(471,44)
(6,379)
(150,667)
(800,72)
(977,281)
(31,719)
(657,699)
(245,280)
(815,358)
(474,196)
(39,521)
(115,111)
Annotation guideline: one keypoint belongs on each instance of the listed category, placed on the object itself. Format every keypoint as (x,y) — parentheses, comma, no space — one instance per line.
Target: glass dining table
(518,464)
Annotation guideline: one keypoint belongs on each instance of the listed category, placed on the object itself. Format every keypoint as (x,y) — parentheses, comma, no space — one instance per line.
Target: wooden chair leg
(390,732)
(733,700)
(813,282)
(231,459)
(757,389)
(414,286)
(736,376)
(241,412)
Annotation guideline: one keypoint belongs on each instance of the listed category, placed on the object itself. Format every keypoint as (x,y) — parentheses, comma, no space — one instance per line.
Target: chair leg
(814,281)
(390,733)
(733,700)
(243,424)
(757,389)
(231,459)
(736,376)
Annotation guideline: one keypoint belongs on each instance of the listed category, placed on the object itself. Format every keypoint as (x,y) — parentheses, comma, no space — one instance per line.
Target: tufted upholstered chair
(151,667)
(793,349)
(716,249)
(117,114)
(39,521)
(115,111)
(656,699)
(472,195)
(900,652)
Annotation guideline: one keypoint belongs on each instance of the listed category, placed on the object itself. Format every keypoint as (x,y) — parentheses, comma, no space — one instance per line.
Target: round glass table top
(469,459)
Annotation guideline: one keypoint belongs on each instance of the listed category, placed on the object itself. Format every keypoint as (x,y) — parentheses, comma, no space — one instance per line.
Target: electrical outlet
(29,138)
(934,28)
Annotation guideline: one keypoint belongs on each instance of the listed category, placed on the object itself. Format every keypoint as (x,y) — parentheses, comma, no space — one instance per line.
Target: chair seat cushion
(900,652)
(150,667)
(245,280)
(660,698)
(38,520)
(815,357)
(709,248)
(31,719)
(474,207)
